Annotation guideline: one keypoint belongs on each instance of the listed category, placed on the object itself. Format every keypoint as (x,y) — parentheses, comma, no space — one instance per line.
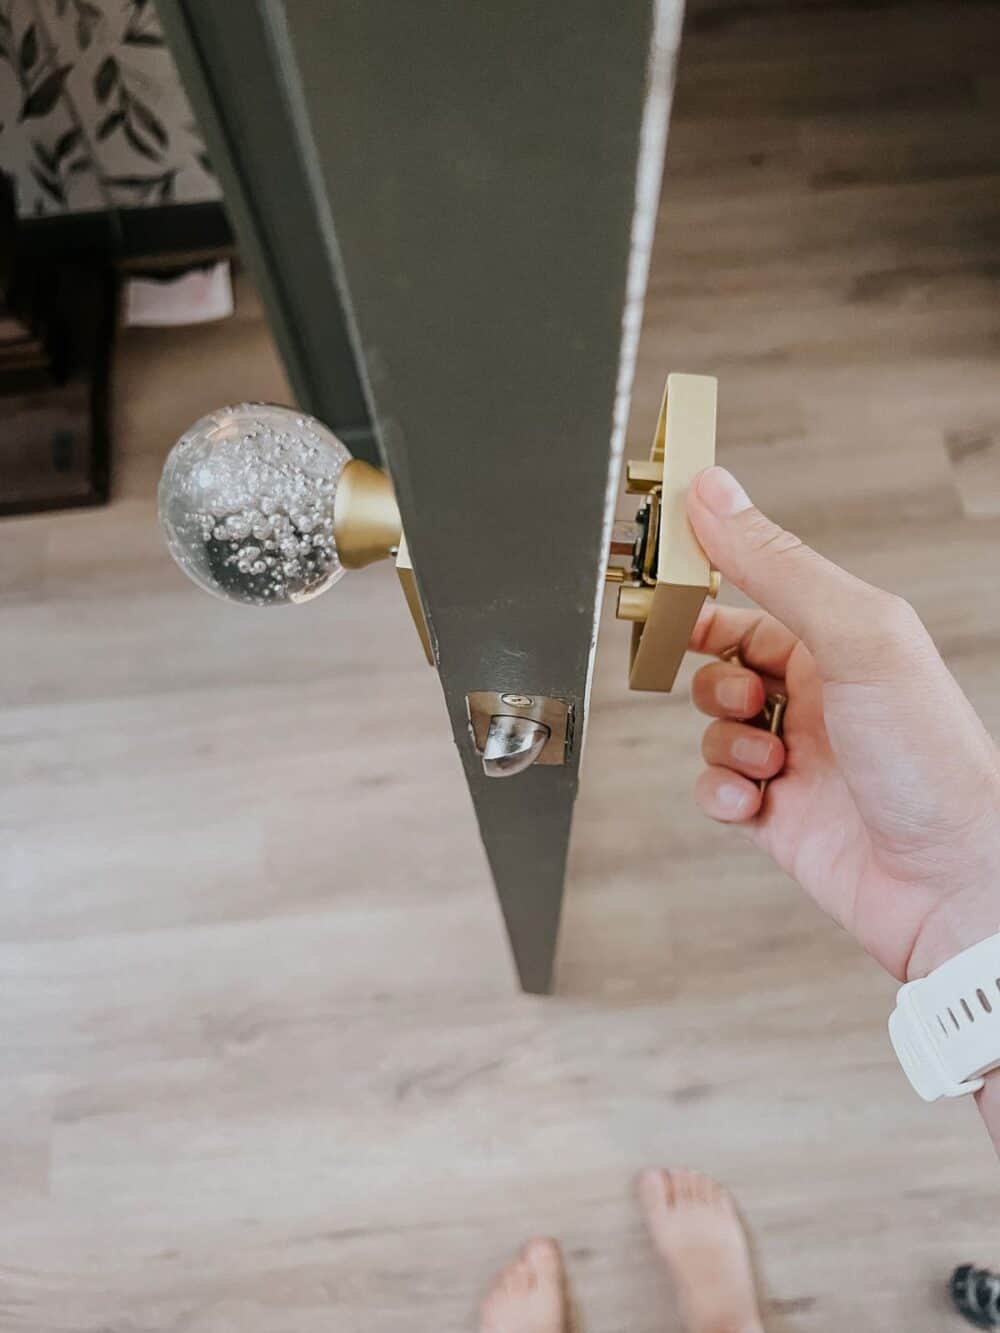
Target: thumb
(841,620)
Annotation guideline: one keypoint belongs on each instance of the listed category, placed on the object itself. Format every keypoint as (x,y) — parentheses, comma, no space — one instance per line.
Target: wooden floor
(263,1065)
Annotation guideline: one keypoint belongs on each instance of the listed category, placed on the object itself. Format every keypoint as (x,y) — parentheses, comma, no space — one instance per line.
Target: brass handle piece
(366,524)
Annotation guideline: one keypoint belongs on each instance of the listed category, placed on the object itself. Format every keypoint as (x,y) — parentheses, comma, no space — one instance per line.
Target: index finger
(764,644)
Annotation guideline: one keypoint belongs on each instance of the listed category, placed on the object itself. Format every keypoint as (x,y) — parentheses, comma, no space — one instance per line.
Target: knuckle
(761,534)
(893,624)
(898,620)
(701,681)
(710,740)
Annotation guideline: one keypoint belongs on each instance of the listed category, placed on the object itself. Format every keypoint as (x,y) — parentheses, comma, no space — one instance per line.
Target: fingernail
(730,799)
(722,493)
(754,750)
(733,693)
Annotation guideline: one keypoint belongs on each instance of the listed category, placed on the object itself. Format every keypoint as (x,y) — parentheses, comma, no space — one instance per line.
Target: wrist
(956,924)
(970,912)
(953,975)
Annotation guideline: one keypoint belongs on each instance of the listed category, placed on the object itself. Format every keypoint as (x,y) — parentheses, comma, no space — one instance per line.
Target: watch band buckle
(917,1054)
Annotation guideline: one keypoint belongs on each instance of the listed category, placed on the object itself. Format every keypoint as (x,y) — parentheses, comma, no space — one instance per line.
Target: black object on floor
(54,438)
(976,1293)
(57,319)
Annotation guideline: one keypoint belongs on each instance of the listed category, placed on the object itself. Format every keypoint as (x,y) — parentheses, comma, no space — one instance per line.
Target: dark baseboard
(129,233)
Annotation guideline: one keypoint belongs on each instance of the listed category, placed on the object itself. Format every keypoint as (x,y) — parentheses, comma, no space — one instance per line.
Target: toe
(682,1186)
(694,1224)
(544,1258)
(491,1312)
(693,1187)
(517,1279)
(528,1295)
(700,1188)
(710,1191)
(508,1284)
(655,1190)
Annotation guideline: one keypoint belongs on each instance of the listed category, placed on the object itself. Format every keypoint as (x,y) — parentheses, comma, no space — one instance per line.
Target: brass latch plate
(408,582)
(671,575)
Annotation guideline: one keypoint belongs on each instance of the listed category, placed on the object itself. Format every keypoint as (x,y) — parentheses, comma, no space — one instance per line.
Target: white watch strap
(945,1028)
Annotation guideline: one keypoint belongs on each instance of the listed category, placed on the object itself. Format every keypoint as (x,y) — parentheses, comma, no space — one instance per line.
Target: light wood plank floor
(263,1064)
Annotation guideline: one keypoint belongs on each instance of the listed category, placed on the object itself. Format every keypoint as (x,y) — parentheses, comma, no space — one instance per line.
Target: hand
(885,804)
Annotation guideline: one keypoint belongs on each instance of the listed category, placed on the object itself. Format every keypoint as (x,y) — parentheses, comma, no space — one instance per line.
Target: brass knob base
(366,521)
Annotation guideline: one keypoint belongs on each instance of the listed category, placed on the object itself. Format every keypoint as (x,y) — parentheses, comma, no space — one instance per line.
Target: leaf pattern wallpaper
(92,113)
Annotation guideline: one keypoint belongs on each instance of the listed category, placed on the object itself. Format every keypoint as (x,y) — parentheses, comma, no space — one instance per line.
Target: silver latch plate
(556,714)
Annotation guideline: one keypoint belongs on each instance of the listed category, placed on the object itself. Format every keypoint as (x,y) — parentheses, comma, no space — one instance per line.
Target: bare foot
(529,1295)
(695,1228)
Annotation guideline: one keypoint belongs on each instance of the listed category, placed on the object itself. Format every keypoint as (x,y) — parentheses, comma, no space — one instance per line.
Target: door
(449,209)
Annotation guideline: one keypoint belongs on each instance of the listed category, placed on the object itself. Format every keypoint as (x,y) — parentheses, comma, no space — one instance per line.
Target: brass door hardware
(668,576)
(511,732)
(264,506)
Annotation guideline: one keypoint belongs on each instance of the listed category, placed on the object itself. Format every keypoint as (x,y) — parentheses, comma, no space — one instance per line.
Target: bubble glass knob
(247,504)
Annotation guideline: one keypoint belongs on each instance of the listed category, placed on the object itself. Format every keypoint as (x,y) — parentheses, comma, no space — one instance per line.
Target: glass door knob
(264,506)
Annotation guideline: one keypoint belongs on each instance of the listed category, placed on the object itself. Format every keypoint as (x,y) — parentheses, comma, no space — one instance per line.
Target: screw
(517,700)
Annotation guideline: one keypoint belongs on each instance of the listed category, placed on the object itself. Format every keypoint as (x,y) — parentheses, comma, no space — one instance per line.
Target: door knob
(264,506)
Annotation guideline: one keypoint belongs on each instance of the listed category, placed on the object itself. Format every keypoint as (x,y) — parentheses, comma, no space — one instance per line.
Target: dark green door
(449,207)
